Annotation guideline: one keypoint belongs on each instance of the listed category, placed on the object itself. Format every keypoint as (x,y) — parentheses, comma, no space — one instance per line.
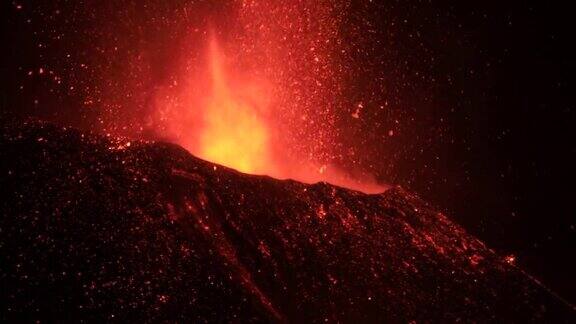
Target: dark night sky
(483,108)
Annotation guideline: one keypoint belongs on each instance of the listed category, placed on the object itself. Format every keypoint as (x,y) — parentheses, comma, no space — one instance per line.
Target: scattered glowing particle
(510,259)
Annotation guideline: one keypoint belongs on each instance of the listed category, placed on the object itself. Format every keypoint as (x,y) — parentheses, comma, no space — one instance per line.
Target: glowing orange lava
(259,86)
(233,130)
(224,114)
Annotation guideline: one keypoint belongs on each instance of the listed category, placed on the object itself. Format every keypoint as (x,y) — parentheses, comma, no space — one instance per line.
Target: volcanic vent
(106,229)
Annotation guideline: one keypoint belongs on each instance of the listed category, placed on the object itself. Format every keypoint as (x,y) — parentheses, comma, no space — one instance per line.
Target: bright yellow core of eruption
(233,132)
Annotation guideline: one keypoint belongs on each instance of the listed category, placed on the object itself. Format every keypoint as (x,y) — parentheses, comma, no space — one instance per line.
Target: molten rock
(99,229)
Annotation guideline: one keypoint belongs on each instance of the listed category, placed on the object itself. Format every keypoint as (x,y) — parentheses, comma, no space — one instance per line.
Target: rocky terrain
(101,229)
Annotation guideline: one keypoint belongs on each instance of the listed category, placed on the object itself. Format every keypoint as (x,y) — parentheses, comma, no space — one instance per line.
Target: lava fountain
(225,117)
(263,96)
(233,132)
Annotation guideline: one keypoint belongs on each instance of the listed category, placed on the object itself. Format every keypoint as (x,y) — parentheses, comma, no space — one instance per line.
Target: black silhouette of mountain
(104,229)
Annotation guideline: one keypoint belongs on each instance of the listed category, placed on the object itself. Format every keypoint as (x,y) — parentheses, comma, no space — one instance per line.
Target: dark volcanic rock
(97,229)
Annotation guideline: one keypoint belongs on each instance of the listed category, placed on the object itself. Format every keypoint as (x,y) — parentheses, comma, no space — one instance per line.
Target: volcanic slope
(104,229)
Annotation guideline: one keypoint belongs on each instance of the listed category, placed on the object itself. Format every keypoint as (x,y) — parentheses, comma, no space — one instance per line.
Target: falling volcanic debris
(105,227)
(253,85)
(234,127)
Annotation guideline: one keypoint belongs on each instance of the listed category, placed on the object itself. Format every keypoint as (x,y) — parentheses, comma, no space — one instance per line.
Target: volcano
(100,229)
